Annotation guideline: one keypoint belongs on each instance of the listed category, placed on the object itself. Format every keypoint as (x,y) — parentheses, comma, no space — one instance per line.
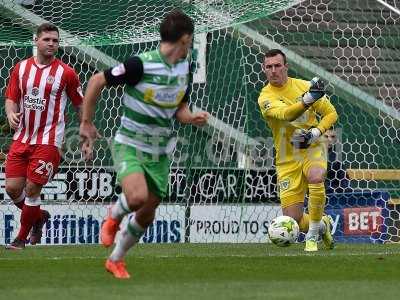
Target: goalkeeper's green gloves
(302,139)
(316,92)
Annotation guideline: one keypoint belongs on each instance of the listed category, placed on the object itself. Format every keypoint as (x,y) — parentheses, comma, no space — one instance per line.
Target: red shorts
(38,163)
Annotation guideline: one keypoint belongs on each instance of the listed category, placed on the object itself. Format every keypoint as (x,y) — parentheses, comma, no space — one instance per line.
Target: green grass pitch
(203,271)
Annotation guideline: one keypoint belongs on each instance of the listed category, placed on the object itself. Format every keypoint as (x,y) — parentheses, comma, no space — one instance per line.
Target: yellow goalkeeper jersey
(275,107)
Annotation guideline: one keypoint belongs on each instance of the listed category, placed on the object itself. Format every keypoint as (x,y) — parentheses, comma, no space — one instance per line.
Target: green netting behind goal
(124,22)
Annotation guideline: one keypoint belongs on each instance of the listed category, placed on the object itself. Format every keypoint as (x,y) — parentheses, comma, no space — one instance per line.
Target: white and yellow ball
(283,231)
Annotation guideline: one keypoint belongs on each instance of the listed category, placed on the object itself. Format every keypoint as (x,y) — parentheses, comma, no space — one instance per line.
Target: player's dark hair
(274,52)
(46,27)
(175,25)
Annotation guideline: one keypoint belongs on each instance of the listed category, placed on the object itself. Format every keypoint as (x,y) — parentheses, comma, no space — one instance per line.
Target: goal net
(222,180)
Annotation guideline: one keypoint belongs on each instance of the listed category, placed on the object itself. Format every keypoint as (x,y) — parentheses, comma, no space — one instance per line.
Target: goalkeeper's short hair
(274,52)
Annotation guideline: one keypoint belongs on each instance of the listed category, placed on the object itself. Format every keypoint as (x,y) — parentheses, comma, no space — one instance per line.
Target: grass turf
(199,271)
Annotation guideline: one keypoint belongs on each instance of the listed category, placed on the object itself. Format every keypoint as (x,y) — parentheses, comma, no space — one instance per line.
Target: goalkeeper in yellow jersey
(298,113)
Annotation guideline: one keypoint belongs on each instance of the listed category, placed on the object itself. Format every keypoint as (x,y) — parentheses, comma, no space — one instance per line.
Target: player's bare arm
(185,116)
(87,129)
(13,114)
(78,110)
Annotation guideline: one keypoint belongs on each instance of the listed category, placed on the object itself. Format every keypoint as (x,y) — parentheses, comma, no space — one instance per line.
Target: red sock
(29,215)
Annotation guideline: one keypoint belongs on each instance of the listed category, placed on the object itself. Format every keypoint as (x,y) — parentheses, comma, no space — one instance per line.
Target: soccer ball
(283,231)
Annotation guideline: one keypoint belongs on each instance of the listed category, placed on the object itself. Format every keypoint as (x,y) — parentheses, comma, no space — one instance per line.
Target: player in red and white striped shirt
(36,97)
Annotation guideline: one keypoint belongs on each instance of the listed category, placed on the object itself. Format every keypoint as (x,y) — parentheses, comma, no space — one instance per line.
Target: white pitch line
(49,258)
(320,253)
(332,253)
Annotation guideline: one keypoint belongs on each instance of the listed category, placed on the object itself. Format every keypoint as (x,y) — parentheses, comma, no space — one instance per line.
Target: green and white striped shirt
(154,89)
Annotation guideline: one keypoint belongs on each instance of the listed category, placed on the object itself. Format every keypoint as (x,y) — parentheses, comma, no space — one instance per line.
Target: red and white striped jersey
(41,92)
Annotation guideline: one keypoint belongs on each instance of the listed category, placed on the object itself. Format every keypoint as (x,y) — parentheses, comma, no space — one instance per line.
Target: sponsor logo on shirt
(167,96)
(33,102)
(163,97)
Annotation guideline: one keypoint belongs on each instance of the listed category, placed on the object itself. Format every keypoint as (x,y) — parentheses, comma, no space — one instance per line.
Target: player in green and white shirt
(156,90)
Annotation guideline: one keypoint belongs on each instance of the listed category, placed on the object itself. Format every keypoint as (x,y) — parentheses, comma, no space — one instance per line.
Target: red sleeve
(74,89)
(13,92)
